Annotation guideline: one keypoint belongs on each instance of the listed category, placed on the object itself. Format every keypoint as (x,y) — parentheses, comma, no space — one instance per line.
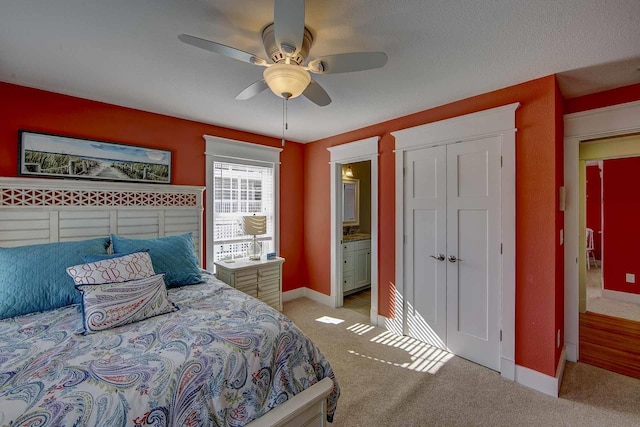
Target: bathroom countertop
(356,236)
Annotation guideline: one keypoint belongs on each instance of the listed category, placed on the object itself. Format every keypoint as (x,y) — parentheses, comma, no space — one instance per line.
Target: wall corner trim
(540,382)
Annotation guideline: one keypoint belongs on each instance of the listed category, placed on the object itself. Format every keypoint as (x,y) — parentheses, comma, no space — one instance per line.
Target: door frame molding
(357,151)
(616,120)
(499,121)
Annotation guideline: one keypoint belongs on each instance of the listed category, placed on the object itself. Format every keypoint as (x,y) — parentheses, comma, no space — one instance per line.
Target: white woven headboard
(36,211)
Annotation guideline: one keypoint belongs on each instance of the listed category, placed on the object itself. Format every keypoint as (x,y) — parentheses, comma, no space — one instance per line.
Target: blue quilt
(223,359)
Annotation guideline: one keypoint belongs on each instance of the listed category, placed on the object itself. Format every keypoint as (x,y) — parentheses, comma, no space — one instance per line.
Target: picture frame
(57,156)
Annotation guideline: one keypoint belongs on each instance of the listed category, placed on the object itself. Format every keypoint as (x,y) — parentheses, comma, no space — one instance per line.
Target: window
(242,179)
(240,190)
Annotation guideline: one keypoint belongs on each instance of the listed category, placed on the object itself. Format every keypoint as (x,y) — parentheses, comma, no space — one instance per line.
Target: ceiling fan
(287,42)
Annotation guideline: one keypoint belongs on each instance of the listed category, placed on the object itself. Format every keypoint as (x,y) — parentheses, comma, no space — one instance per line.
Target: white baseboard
(308,293)
(293,294)
(507,368)
(541,382)
(621,296)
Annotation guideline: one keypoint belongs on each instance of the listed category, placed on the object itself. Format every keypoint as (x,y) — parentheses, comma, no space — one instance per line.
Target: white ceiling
(126,52)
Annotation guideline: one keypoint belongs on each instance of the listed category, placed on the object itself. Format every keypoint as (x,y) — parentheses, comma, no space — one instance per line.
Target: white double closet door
(452,259)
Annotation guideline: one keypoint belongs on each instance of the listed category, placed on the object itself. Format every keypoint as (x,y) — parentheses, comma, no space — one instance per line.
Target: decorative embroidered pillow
(115,304)
(119,269)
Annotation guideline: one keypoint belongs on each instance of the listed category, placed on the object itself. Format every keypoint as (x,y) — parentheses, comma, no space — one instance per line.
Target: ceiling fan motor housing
(274,52)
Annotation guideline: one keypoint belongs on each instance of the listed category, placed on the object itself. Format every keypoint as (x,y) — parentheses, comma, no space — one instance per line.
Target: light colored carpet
(394,381)
(596,303)
(360,302)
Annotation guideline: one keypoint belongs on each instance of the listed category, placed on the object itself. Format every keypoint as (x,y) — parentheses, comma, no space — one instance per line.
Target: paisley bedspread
(223,359)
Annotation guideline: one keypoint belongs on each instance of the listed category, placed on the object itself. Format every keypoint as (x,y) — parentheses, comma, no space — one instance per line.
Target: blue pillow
(172,255)
(102,257)
(34,278)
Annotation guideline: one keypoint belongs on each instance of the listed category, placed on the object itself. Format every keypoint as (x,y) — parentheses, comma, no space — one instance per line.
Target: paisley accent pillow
(115,304)
(116,269)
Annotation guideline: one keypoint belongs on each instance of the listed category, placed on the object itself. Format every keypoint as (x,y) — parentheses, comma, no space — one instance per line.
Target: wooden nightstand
(261,279)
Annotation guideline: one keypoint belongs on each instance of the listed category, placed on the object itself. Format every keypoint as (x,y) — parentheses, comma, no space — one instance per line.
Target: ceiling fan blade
(252,90)
(288,25)
(222,49)
(316,94)
(347,62)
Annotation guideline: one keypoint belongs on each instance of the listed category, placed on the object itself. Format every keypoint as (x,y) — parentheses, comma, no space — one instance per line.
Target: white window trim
(229,150)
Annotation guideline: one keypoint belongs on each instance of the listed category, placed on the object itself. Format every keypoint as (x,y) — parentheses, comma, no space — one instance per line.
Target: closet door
(473,238)
(425,227)
(452,208)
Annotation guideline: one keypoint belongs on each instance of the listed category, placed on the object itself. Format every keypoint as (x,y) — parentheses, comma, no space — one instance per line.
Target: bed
(207,355)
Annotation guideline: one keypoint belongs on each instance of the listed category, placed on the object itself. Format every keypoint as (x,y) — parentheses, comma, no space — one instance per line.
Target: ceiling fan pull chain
(284,118)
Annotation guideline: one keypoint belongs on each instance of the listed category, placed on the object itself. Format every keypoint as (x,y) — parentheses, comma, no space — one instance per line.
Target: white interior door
(425,227)
(452,207)
(473,246)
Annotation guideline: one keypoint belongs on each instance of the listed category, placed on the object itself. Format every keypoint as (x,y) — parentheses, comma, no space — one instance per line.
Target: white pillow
(119,269)
(115,304)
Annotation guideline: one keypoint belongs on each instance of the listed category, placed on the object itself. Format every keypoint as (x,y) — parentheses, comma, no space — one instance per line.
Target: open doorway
(609,322)
(356,236)
(611,289)
(365,151)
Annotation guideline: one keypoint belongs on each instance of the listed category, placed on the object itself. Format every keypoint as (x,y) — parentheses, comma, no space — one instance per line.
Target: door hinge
(500,335)
(500,248)
(500,161)
(404,239)
(404,171)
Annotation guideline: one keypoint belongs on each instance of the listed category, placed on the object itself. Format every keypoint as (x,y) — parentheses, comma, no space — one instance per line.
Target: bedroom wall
(42,111)
(539,260)
(621,211)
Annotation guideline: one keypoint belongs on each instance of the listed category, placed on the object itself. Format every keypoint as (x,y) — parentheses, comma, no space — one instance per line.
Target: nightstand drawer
(269,273)
(261,279)
(250,289)
(273,299)
(272,285)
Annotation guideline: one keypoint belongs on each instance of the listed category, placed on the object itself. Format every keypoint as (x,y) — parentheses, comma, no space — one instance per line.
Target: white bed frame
(34,211)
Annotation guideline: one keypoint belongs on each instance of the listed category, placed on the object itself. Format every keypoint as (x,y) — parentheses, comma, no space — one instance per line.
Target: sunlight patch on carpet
(423,357)
(360,328)
(329,320)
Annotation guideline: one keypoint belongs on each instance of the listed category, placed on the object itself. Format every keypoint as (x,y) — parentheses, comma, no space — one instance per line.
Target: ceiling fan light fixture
(286,80)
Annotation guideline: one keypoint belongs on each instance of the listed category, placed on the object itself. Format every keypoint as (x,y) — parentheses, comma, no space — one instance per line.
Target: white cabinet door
(362,267)
(452,207)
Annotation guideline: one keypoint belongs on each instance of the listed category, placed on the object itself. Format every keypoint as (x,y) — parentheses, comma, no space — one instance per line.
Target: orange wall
(37,110)
(539,143)
(606,98)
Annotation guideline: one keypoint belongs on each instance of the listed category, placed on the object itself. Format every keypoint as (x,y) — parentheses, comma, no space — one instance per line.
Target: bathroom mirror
(350,201)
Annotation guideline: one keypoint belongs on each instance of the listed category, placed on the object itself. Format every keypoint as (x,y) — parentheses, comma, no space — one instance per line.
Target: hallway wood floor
(610,343)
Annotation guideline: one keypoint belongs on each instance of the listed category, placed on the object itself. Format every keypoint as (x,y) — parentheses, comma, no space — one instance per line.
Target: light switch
(631,278)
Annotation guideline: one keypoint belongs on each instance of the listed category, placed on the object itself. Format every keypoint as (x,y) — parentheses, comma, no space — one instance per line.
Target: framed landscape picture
(45,155)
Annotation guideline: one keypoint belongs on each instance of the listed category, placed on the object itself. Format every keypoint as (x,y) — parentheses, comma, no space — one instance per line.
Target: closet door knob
(440,257)
(452,258)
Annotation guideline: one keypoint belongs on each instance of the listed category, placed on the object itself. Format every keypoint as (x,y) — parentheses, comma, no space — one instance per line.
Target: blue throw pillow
(102,257)
(34,278)
(172,255)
